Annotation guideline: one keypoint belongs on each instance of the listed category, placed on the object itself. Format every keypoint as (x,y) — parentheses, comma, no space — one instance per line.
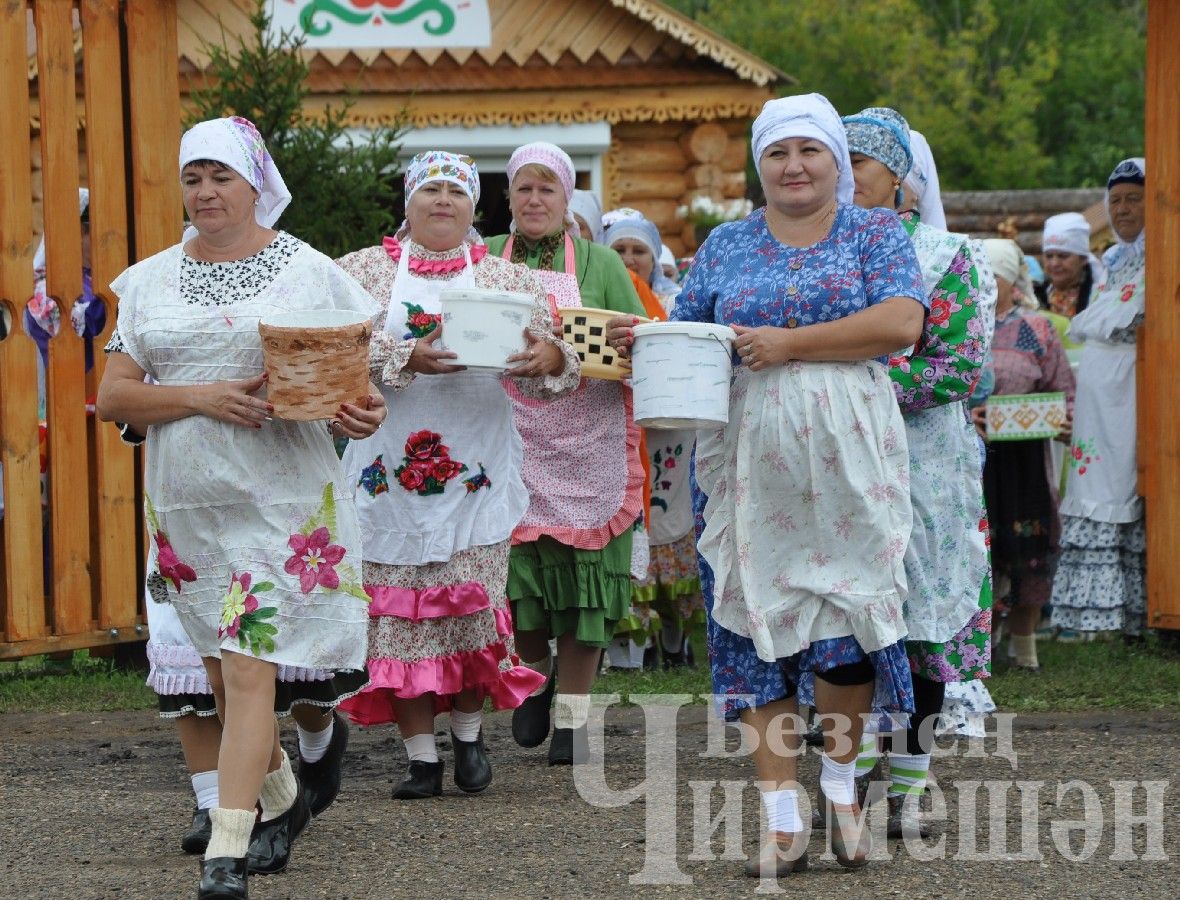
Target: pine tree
(346,188)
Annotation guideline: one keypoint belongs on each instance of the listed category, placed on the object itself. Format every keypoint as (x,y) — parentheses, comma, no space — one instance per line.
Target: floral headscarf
(439,165)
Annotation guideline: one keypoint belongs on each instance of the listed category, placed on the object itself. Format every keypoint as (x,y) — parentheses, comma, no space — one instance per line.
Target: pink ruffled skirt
(438,629)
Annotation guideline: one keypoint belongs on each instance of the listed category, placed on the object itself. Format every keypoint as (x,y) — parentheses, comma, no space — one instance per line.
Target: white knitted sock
(782,811)
(314,744)
(836,779)
(465,725)
(421,748)
(278,790)
(231,832)
(205,788)
(571,710)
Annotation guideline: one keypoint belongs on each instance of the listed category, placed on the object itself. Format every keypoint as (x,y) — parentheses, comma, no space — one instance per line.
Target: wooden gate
(89,96)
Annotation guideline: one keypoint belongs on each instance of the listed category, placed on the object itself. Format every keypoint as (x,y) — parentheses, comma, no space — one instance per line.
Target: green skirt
(557,588)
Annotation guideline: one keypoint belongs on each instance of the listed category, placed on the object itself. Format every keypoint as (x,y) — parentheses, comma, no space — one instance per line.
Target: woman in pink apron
(570,570)
(439,490)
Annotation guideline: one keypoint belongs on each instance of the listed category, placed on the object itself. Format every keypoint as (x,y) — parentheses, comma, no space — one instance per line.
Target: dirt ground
(93,805)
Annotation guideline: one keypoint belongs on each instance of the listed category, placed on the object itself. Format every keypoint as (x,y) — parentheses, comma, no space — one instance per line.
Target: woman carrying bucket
(439,490)
(672,586)
(802,496)
(570,570)
(250,520)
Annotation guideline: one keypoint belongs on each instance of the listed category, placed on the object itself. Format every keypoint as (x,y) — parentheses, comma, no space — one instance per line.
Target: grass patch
(1094,675)
(1073,678)
(80,684)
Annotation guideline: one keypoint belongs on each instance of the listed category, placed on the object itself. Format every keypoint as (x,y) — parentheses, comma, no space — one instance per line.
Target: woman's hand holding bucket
(762,347)
(541,357)
(427,359)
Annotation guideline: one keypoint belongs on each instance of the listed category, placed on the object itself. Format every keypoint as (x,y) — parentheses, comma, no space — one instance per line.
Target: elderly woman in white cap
(1069,266)
(439,490)
(1100,583)
(1018,481)
(249,517)
(804,494)
(948,610)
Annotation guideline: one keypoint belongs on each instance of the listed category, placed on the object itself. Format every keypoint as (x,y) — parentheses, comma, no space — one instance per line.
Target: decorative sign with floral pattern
(384,23)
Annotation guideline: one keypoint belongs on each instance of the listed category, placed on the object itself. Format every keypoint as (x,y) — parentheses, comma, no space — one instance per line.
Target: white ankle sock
(907,774)
(231,832)
(314,744)
(836,779)
(544,666)
(571,710)
(421,748)
(782,811)
(465,725)
(278,791)
(205,789)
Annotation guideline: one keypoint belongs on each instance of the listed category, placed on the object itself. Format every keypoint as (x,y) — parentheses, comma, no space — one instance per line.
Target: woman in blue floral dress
(802,499)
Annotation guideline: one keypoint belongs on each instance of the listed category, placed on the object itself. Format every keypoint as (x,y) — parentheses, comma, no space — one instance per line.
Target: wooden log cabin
(653,107)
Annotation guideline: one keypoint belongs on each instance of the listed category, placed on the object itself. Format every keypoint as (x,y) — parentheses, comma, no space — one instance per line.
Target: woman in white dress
(250,518)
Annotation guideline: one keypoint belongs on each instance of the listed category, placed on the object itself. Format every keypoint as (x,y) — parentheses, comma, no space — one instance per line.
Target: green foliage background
(1010,93)
(346,189)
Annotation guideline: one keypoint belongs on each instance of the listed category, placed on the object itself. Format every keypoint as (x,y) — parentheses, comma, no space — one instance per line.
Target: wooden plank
(558,40)
(590,38)
(515,19)
(79,641)
(24,588)
(118,565)
(1159,430)
(619,40)
(154,90)
(527,40)
(65,399)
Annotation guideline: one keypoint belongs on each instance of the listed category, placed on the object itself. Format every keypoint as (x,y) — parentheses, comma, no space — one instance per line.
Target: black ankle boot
(223,876)
(196,839)
(423,779)
(569,746)
(320,780)
(530,720)
(271,843)
(473,772)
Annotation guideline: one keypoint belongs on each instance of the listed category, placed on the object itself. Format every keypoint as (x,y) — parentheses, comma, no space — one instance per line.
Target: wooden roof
(522,31)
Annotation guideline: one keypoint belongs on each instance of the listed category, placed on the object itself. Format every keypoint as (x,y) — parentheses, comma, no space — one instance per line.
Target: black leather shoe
(196,839)
(270,845)
(223,876)
(473,772)
(321,779)
(530,720)
(569,746)
(423,779)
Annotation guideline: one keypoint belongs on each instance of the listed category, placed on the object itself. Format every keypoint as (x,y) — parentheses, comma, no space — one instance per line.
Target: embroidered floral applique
(316,561)
(168,564)
(480,480)
(242,616)
(374,478)
(419,322)
(427,466)
(661,462)
(1082,454)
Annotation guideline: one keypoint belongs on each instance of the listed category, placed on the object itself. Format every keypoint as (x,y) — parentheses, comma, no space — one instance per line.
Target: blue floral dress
(802,504)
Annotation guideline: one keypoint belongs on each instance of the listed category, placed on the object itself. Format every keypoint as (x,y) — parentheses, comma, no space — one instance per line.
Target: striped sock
(866,756)
(907,774)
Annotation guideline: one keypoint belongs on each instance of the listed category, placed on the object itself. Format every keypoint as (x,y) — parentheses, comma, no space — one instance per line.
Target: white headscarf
(1067,232)
(805,116)
(39,256)
(922,183)
(667,257)
(236,144)
(1006,258)
(586,205)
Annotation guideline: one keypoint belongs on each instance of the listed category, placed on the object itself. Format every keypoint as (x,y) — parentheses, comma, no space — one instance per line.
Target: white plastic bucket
(680,374)
(484,327)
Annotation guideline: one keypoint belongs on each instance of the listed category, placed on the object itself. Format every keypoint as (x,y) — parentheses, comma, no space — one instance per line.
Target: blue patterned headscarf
(1130,171)
(884,135)
(638,227)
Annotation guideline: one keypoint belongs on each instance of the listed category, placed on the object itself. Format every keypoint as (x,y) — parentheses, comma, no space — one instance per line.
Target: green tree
(346,189)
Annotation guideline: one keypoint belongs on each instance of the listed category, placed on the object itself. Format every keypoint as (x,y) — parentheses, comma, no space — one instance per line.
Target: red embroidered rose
(446,469)
(425,445)
(410,478)
(940,311)
(424,320)
(1128,292)
(1077,452)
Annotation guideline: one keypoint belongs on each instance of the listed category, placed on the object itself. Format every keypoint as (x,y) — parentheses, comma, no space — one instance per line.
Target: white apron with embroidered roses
(582,489)
(254,530)
(809,510)
(443,473)
(1102,475)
